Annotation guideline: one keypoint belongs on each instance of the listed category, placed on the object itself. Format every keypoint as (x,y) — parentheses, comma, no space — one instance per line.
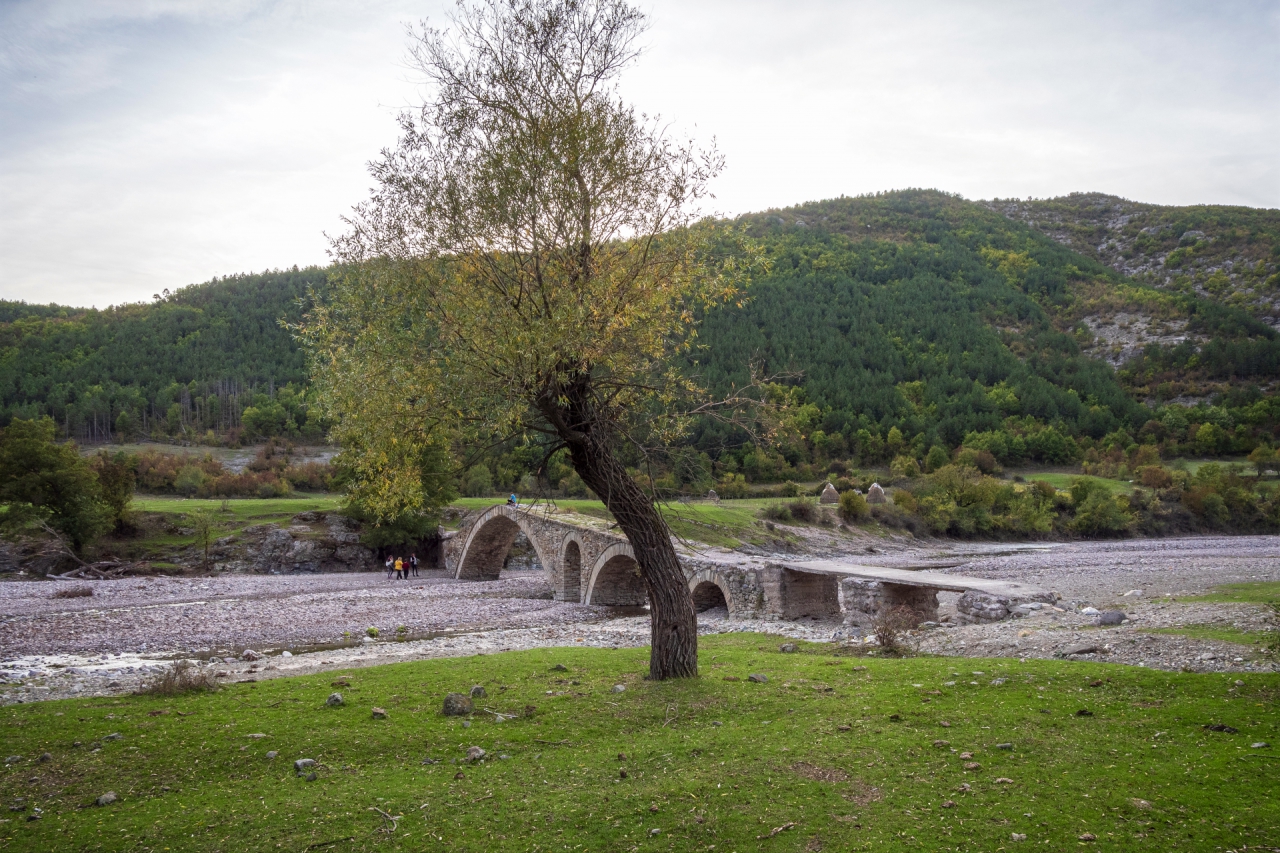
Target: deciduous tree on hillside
(529,262)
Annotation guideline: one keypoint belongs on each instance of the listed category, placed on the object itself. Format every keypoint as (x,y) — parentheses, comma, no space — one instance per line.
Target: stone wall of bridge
(592,566)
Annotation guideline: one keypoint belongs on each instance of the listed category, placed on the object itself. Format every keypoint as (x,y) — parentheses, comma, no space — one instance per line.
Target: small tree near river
(529,263)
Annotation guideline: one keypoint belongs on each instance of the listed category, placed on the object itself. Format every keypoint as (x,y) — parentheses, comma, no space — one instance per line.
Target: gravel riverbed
(130,629)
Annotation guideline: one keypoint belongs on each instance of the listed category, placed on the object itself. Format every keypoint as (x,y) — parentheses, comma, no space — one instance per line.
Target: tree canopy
(528,265)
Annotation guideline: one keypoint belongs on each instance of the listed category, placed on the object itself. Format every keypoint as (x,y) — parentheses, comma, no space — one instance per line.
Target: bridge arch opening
(708,595)
(489,549)
(571,564)
(618,584)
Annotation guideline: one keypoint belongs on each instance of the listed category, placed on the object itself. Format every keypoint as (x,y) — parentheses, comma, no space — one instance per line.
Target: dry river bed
(128,630)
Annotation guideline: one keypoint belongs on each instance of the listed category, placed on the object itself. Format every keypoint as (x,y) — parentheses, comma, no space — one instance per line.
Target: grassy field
(832,753)
(1063,481)
(252,510)
(230,516)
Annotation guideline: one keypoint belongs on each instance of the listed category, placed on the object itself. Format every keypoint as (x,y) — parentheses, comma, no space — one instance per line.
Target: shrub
(803,510)
(904,467)
(372,632)
(778,512)
(891,625)
(1155,477)
(180,677)
(573,485)
(905,500)
(188,480)
(733,486)
(853,506)
(478,482)
(73,592)
(936,459)
(790,490)
(1101,514)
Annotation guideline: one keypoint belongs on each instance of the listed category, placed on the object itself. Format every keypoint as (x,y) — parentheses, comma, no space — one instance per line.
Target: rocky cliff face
(313,542)
(1221,253)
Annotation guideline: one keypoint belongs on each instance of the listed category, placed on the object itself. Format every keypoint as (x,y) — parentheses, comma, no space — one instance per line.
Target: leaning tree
(530,262)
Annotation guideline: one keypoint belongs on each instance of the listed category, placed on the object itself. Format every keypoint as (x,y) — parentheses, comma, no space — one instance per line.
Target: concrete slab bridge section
(868,591)
(596,566)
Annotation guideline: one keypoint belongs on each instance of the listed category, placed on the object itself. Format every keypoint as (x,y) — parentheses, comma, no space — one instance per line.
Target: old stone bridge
(586,562)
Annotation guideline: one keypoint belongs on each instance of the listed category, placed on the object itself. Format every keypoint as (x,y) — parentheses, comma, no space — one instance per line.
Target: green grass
(1225,635)
(160,541)
(1063,481)
(846,756)
(242,509)
(1253,592)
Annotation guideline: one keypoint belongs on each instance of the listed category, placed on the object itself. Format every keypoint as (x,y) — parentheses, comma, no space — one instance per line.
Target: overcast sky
(149,144)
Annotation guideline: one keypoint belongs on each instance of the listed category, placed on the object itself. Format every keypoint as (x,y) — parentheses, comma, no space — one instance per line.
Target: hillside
(1225,254)
(904,320)
(192,361)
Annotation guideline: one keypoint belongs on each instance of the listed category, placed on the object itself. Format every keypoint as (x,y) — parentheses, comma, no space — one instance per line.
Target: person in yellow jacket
(399,569)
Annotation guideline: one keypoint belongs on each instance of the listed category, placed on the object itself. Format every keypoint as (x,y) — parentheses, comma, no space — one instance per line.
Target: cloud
(148,144)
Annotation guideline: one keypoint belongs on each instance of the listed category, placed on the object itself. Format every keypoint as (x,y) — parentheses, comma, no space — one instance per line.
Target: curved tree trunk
(674,624)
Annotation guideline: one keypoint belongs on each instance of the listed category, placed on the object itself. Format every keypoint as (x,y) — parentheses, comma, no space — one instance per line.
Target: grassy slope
(198,782)
(160,540)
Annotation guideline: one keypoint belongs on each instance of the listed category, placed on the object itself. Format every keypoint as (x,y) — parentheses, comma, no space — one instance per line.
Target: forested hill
(1223,253)
(908,318)
(189,362)
(871,294)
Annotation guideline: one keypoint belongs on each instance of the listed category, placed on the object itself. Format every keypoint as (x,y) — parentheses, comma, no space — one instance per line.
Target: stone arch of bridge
(571,553)
(615,578)
(489,541)
(707,591)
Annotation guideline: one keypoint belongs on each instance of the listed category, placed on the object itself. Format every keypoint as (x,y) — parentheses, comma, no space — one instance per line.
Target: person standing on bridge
(513,501)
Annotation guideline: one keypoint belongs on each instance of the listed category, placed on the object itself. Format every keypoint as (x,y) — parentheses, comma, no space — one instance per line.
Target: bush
(573,485)
(790,490)
(1155,477)
(778,512)
(1100,513)
(733,486)
(905,500)
(180,677)
(891,625)
(478,482)
(73,592)
(904,467)
(803,510)
(936,459)
(189,480)
(853,506)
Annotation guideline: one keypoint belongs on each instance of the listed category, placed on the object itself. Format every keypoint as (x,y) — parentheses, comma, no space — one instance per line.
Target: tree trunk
(673,622)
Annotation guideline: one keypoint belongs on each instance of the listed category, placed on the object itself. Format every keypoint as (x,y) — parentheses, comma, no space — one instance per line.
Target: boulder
(457,705)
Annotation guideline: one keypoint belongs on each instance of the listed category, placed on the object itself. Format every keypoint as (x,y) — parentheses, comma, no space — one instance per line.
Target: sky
(150,144)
